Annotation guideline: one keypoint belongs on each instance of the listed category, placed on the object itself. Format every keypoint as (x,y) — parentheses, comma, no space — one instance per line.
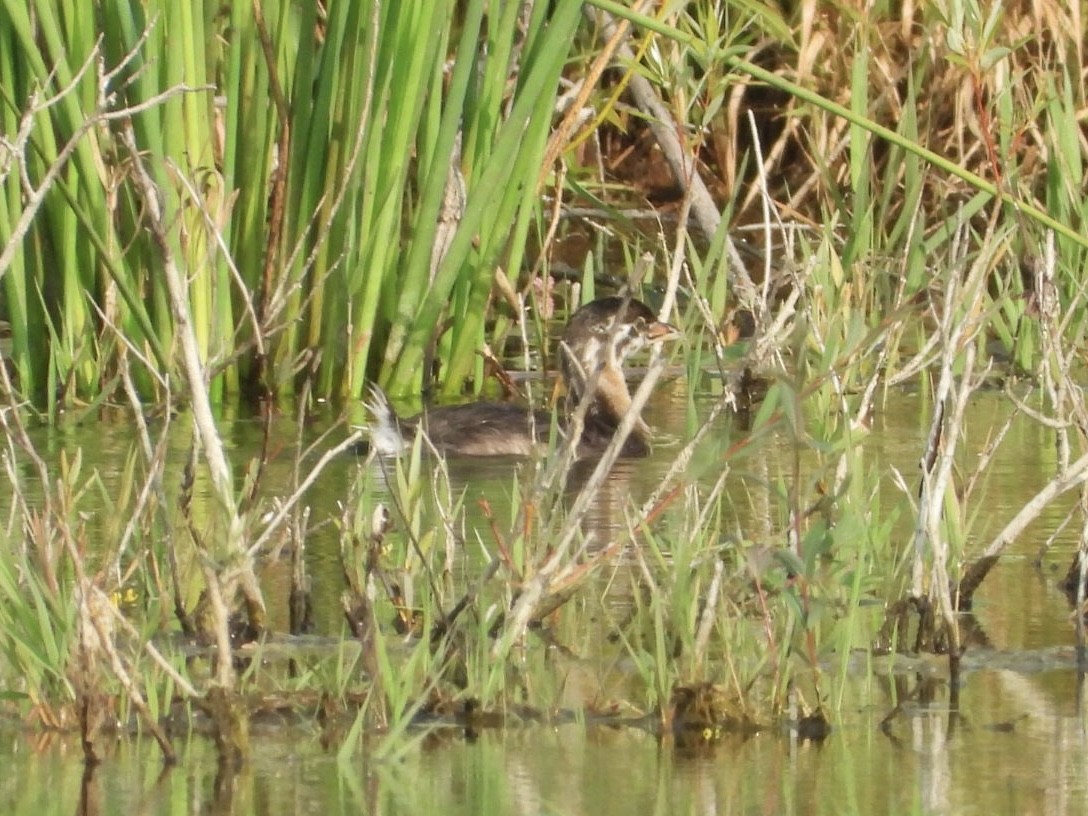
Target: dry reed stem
(1067,403)
(223,582)
(666,131)
(98,613)
(563,557)
(958,325)
(560,137)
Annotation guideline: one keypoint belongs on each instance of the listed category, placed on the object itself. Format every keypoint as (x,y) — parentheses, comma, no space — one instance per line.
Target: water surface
(1016,744)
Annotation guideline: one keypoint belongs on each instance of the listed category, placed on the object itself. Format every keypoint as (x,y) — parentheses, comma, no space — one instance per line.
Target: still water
(1017,744)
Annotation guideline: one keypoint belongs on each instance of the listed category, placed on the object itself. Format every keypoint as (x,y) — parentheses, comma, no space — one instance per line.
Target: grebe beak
(658,332)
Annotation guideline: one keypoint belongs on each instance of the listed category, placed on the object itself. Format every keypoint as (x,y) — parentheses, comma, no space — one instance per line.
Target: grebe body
(599,338)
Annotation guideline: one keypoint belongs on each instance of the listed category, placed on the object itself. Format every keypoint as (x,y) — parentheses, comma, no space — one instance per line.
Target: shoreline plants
(280,203)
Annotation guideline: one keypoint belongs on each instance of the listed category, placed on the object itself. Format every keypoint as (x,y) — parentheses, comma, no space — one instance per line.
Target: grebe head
(600,337)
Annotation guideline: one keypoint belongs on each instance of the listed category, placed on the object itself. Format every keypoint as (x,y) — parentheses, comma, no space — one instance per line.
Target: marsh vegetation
(264,208)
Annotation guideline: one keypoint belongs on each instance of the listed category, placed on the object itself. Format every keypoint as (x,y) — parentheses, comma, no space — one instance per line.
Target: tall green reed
(306,162)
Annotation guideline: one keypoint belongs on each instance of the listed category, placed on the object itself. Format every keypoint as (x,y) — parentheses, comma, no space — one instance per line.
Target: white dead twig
(223,581)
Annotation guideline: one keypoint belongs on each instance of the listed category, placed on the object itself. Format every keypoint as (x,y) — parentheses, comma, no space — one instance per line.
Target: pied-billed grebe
(598,339)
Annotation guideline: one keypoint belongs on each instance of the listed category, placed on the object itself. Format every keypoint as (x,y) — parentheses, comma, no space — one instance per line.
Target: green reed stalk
(36,626)
(347,124)
(860,244)
(496,180)
(24,350)
(407,94)
(52,274)
(1064,192)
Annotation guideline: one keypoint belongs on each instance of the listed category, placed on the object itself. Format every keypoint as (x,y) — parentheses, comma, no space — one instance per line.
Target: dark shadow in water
(928,687)
(90,793)
(227,781)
